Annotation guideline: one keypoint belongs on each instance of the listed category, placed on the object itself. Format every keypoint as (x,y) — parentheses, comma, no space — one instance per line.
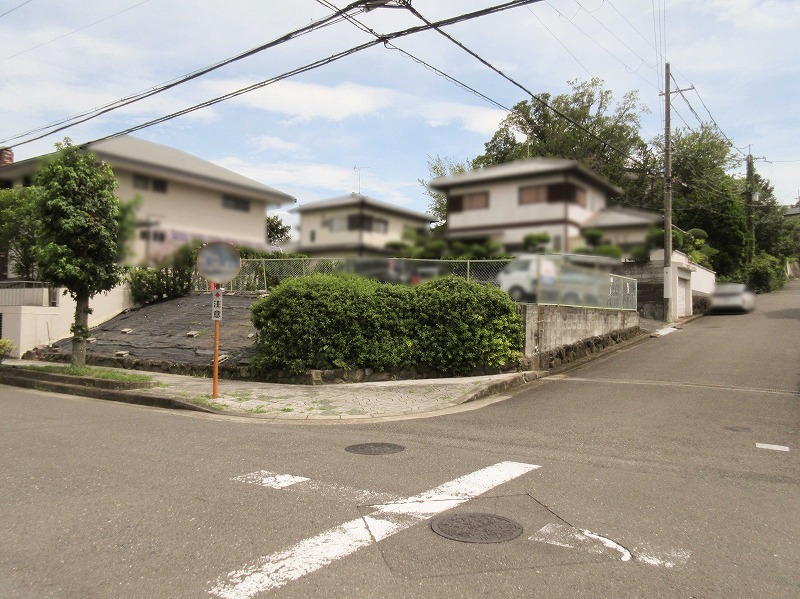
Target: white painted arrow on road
(309,555)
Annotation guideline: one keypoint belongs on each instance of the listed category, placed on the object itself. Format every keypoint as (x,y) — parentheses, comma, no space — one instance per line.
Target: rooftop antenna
(358,169)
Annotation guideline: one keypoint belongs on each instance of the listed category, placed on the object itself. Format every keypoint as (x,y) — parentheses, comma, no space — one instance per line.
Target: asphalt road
(669,469)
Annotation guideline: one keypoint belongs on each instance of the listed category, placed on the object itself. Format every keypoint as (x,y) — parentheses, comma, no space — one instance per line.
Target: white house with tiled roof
(355,225)
(183,197)
(506,202)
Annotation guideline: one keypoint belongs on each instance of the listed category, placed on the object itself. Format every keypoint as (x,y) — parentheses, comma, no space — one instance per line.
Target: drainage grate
(476,527)
(374,448)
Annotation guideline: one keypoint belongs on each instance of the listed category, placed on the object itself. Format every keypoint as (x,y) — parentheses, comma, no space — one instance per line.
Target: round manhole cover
(476,528)
(374,448)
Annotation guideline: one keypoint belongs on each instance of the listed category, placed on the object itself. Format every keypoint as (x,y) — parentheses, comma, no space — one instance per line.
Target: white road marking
(572,538)
(307,556)
(772,447)
(271,480)
(563,535)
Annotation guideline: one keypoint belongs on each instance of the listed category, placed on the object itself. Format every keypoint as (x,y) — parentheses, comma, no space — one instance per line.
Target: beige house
(506,202)
(626,227)
(183,197)
(355,226)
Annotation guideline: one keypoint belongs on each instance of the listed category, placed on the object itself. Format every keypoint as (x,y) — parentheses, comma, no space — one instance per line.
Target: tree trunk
(80,330)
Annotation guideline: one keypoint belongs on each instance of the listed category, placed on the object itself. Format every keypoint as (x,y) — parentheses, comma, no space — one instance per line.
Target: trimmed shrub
(5,348)
(172,280)
(447,325)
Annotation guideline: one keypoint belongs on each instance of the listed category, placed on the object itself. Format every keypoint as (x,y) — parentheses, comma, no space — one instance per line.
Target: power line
(71,32)
(316,64)
(570,120)
(16,7)
(89,115)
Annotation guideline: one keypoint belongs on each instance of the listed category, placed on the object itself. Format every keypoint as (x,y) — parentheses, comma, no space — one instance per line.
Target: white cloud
(268,142)
(309,101)
(476,119)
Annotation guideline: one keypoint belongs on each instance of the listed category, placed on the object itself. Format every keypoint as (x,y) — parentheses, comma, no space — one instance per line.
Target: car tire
(517,294)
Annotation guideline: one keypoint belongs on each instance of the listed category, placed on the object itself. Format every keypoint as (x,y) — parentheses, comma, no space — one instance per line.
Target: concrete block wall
(550,327)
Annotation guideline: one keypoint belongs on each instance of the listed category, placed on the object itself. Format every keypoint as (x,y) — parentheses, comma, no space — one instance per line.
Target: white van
(573,280)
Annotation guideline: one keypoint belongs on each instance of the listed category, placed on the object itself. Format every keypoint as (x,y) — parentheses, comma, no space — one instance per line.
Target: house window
(338,223)
(365,222)
(141,182)
(159,236)
(533,194)
(313,236)
(566,192)
(476,201)
(160,185)
(232,203)
(469,201)
(145,182)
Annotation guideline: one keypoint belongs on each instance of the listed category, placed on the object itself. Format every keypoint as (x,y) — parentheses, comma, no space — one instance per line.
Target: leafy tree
(19,228)
(440,167)
(276,230)
(535,242)
(707,197)
(78,245)
(532,129)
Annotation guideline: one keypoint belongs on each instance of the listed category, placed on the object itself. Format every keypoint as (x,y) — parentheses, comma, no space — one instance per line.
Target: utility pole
(668,292)
(748,210)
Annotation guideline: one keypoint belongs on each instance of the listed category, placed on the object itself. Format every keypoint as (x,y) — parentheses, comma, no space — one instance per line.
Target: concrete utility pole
(668,292)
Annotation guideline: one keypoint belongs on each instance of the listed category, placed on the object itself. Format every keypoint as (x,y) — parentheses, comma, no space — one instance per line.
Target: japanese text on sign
(216,305)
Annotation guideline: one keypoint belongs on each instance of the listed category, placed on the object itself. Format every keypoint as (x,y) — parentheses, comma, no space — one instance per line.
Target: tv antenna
(358,169)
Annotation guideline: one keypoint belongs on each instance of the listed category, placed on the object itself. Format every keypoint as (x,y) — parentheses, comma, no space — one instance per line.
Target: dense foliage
(79,234)
(19,230)
(447,325)
(707,192)
(169,280)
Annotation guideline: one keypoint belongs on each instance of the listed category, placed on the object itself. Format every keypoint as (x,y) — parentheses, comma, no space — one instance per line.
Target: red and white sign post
(219,262)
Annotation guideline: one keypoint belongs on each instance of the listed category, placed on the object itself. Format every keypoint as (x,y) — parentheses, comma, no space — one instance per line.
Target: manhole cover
(374,448)
(476,528)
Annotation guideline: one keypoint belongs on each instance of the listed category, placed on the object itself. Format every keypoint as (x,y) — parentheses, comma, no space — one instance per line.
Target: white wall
(32,326)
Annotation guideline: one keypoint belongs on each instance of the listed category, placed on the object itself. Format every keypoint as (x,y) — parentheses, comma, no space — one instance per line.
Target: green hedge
(446,325)
(171,280)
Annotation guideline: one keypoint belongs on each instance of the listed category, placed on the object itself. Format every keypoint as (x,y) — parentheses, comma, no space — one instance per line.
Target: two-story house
(183,197)
(506,202)
(355,226)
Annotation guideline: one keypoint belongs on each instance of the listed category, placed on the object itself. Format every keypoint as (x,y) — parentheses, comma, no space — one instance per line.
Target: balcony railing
(27,293)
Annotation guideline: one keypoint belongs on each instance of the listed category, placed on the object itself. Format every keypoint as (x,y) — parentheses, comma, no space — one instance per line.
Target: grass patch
(205,400)
(92,371)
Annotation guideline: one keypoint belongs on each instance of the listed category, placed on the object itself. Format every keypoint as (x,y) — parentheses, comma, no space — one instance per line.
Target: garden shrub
(171,280)
(5,348)
(765,273)
(447,325)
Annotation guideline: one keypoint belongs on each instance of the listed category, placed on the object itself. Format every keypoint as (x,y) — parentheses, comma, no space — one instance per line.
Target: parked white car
(732,297)
(556,279)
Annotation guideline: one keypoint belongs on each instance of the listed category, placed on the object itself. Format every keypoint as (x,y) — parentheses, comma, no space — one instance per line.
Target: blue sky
(373,118)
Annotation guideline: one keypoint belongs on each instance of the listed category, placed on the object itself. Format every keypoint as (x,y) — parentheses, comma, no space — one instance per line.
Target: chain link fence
(606,290)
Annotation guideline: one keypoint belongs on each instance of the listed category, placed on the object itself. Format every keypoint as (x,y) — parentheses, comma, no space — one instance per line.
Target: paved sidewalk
(270,401)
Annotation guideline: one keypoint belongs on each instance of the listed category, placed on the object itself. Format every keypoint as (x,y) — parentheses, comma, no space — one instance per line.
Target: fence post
(264,270)
(468,264)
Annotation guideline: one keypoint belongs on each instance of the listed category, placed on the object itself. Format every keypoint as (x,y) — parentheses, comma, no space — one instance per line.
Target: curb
(124,396)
